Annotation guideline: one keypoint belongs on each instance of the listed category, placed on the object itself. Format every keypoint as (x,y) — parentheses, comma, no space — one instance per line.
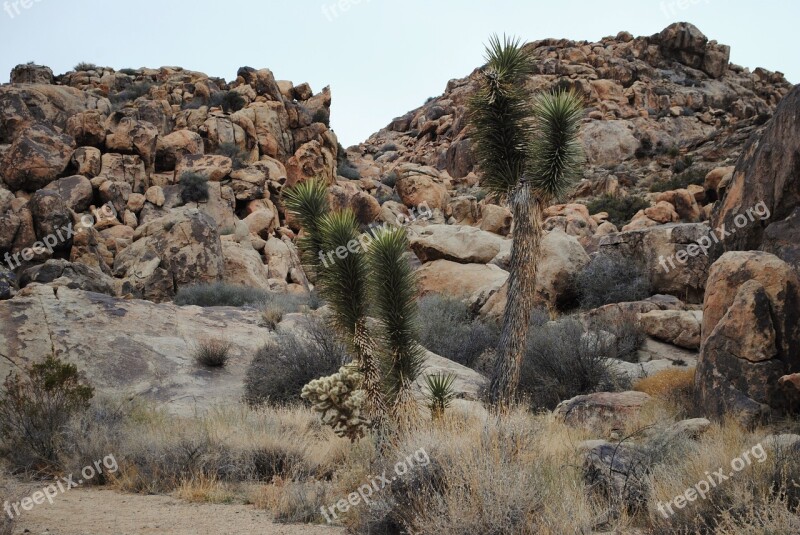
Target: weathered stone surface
(172,147)
(311,160)
(466,245)
(180,249)
(601,408)
(472,283)
(72,275)
(678,327)
(130,136)
(36,157)
(417,185)
(244,266)
(751,336)
(76,191)
(766,184)
(211,166)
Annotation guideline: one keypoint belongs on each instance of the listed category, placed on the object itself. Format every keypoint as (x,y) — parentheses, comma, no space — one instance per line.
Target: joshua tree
(379,275)
(527,147)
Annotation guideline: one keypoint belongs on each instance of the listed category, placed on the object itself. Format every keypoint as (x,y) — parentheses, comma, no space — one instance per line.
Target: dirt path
(106,512)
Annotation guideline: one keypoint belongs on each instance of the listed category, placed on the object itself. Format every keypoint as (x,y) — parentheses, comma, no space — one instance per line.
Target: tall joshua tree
(527,147)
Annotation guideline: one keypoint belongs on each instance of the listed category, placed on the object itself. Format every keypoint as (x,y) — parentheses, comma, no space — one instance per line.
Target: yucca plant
(440,393)
(308,202)
(394,299)
(528,150)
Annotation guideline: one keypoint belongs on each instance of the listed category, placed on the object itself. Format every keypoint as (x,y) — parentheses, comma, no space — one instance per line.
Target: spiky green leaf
(308,202)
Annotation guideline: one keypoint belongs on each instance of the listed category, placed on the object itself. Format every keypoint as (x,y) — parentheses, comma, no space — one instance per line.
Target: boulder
(417,185)
(86,161)
(180,249)
(472,283)
(677,327)
(126,135)
(497,219)
(76,192)
(466,245)
(52,220)
(64,273)
(750,336)
(212,166)
(311,160)
(36,158)
(607,143)
(124,168)
(88,128)
(29,73)
(172,147)
(244,266)
(765,187)
(7,283)
(601,408)
(684,203)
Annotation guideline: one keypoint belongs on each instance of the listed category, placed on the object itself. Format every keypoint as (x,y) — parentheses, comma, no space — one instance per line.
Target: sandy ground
(106,512)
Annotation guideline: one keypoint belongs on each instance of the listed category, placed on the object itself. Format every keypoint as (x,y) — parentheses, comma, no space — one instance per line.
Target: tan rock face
(76,191)
(86,161)
(173,147)
(750,336)
(244,266)
(211,166)
(472,283)
(462,244)
(607,143)
(180,249)
(36,157)
(677,327)
(87,128)
(684,203)
(130,136)
(601,408)
(417,185)
(311,160)
(497,219)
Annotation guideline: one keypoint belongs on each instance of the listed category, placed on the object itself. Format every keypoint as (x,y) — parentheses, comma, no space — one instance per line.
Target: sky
(381,58)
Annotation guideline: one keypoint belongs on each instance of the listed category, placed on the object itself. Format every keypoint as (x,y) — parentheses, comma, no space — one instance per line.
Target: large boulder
(76,191)
(244,266)
(311,160)
(181,249)
(172,147)
(466,245)
(36,158)
(677,327)
(607,143)
(418,185)
(52,220)
(765,188)
(71,275)
(472,283)
(671,255)
(29,73)
(126,135)
(750,336)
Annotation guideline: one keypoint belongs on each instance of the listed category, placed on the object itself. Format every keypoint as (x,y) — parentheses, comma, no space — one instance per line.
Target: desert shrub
(212,353)
(563,360)
(131,92)
(674,385)
(194,187)
(280,370)
(390,179)
(83,66)
(446,328)
(35,407)
(229,101)
(219,294)
(612,279)
(346,170)
(620,209)
(627,334)
(681,181)
(129,71)
(322,116)
(238,156)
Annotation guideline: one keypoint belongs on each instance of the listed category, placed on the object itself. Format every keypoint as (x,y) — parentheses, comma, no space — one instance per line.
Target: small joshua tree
(440,393)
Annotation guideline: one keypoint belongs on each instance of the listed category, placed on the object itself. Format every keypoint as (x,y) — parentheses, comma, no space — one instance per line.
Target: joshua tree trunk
(521,287)
(365,349)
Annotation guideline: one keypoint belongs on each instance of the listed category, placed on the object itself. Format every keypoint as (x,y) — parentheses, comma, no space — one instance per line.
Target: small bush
(35,408)
(680,181)
(238,156)
(347,171)
(129,72)
(675,386)
(446,328)
(229,101)
(322,116)
(132,92)
(194,187)
(390,179)
(562,361)
(612,279)
(83,66)
(280,370)
(220,294)
(620,209)
(212,353)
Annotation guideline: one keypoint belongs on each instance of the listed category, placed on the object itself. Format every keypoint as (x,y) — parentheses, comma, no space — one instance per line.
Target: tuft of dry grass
(213,353)
(674,386)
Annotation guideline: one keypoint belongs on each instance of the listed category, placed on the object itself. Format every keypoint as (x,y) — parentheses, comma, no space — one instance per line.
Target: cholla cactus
(340,400)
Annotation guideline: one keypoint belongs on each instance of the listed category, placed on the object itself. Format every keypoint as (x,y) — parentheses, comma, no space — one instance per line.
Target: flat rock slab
(601,407)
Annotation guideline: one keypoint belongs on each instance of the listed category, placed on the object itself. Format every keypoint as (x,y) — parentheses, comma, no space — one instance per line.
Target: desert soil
(106,512)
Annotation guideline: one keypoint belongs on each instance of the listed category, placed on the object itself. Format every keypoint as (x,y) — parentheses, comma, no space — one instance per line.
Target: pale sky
(381,58)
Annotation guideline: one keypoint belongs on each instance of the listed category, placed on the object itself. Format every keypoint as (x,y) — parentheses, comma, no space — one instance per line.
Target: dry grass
(213,353)
(519,473)
(674,386)
(7,493)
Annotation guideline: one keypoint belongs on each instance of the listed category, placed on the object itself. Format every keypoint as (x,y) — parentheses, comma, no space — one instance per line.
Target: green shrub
(83,66)
(238,156)
(134,91)
(322,116)
(562,361)
(390,179)
(612,279)
(347,171)
(446,328)
(220,294)
(280,370)
(229,101)
(680,181)
(129,72)
(212,353)
(194,187)
(620,209)
(35,408)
